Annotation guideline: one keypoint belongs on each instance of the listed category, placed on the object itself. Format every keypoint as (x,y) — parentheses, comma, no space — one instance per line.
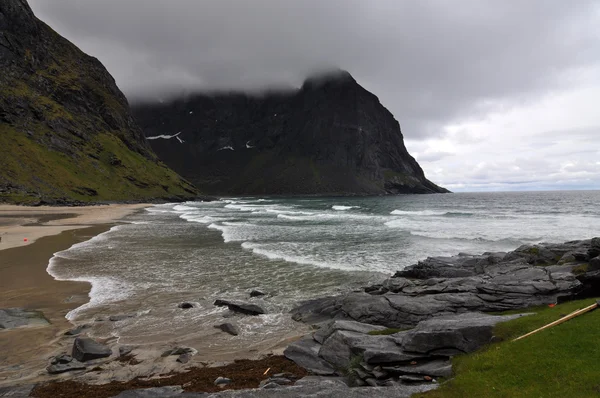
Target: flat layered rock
(325,387)
(435,368)
(16,391)
(492,282)
(305,353)
(453,335)
(64,363)
(11,318)
(324,332)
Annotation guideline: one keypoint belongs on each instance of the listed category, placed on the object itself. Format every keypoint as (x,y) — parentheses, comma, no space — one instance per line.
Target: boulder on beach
(86,349)
(241,307)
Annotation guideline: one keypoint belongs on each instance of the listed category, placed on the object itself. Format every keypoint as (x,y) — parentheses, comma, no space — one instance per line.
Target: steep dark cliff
(66,131)
(329,137)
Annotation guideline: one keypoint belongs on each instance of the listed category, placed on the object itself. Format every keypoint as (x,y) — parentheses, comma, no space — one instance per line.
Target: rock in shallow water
(86,349)
(241,307)
(229,328)
(120,317)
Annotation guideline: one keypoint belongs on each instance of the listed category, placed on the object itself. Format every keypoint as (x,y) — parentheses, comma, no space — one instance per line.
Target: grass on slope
(562,361)
(103,169)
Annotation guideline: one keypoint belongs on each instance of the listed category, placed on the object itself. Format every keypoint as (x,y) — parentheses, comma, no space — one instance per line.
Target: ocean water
(293,249)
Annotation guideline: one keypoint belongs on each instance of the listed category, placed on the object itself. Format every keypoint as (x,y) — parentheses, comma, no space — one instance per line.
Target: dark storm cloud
(430,62)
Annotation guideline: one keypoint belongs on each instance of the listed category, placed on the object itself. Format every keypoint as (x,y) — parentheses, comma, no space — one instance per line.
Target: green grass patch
(581,269)
(562,361)
(88,175)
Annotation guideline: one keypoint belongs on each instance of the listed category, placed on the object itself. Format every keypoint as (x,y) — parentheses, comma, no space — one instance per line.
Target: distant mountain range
(330,137)
(66,131)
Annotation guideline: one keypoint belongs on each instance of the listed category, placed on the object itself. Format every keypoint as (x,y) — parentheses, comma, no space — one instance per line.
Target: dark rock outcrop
(414,356)
(448,285)
(329,137)
(86,349)
(66,131)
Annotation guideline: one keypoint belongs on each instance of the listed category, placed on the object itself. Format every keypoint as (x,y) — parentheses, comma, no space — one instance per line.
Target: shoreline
(23,225)
(25,282)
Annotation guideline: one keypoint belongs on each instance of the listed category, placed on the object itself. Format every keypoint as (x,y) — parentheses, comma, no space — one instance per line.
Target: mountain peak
(331,76)
(332,137)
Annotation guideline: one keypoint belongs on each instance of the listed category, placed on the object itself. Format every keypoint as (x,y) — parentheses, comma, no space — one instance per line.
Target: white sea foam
(184,208)
(104,291)
(344,208)
(418,213)
(193,217)
(260,249)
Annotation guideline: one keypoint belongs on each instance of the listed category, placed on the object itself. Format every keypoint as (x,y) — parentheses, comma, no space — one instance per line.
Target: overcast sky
(491,95)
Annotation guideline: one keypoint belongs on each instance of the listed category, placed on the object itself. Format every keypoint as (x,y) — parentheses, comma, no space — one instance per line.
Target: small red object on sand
(25,240)
(551,305)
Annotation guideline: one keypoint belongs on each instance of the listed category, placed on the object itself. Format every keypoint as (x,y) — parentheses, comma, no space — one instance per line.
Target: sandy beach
(22,226)
(30,236)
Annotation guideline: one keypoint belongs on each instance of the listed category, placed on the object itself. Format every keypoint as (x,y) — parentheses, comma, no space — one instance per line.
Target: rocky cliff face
(66,132)
(329,137)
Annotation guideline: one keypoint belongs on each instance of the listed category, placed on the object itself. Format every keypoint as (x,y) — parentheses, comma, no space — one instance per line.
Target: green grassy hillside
(66,131)
(562,361)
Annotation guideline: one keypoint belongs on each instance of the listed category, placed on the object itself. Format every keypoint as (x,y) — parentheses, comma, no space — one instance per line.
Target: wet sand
(24,282)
